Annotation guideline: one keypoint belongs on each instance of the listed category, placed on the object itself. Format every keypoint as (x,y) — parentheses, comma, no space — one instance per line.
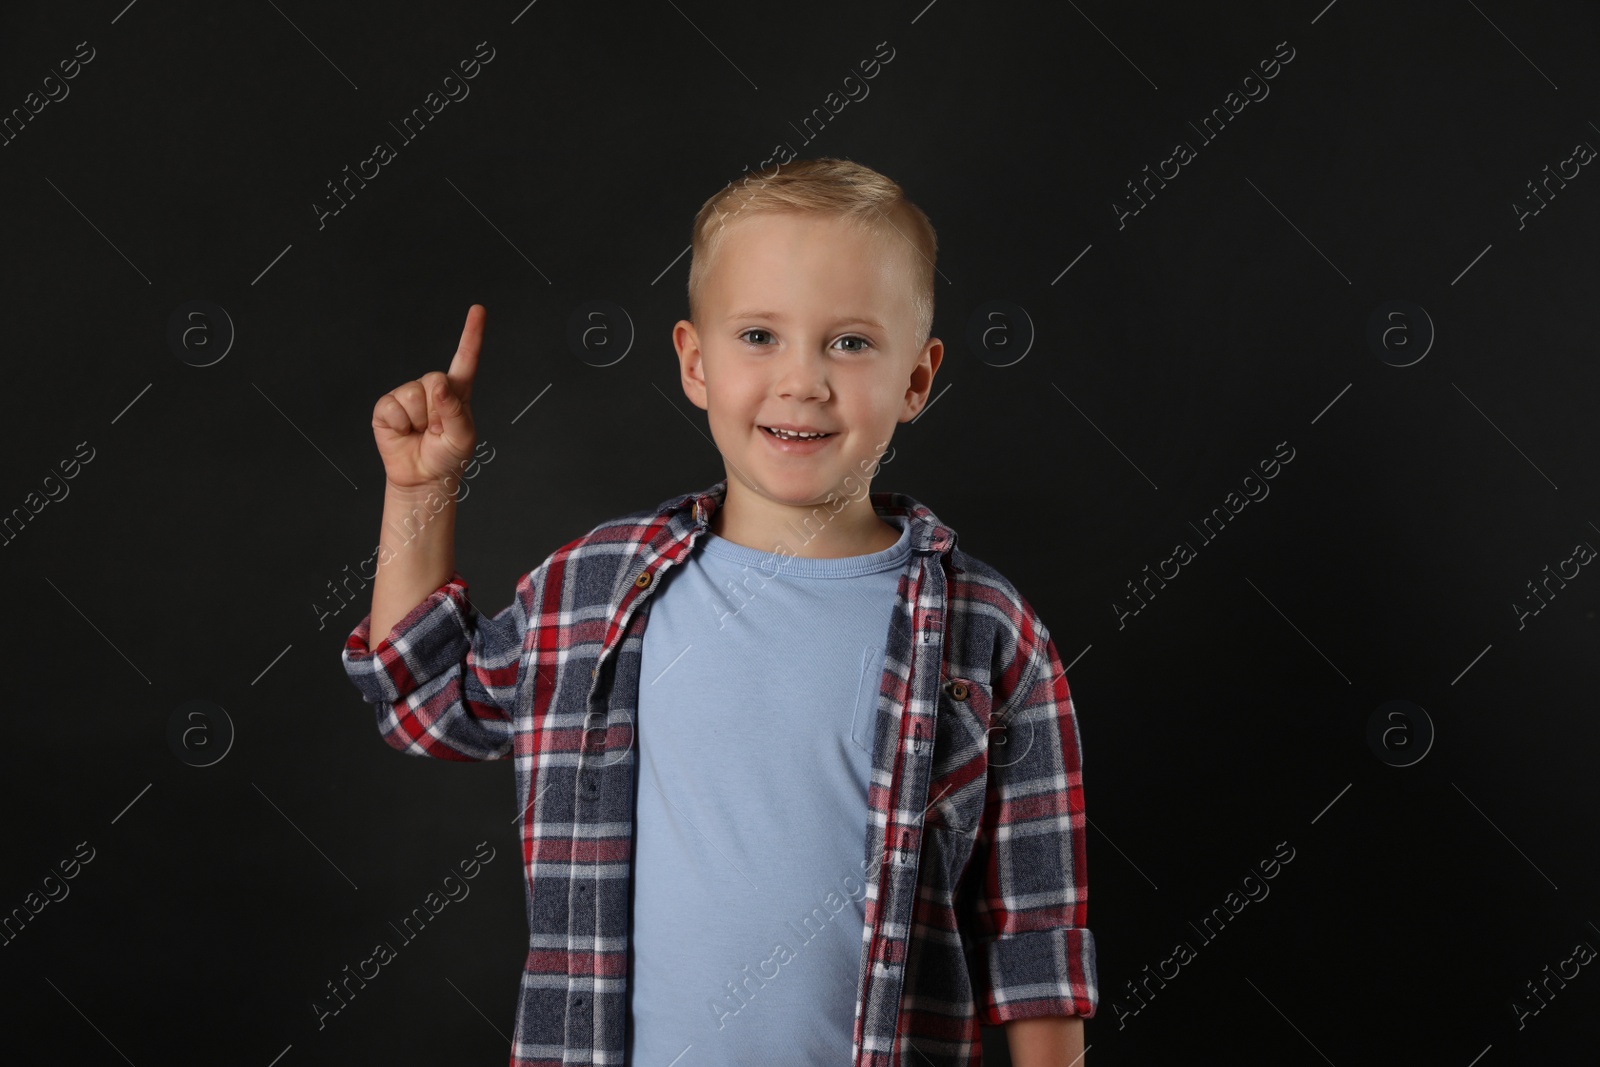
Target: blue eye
(754,329)
(865,344)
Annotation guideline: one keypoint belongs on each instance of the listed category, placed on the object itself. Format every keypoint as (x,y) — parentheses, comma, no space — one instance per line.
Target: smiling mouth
(786,435)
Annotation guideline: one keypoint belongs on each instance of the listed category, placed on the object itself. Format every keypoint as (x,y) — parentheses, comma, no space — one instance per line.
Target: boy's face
(805,323)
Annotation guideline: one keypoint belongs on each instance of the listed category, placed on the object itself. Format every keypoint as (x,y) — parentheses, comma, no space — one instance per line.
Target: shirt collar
(928,534)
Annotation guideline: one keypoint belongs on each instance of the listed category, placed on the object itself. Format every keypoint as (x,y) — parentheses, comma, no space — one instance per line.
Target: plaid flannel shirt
(977,903)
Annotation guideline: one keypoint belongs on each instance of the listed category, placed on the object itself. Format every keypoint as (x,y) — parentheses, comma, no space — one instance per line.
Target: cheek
(887,392)
(730,403)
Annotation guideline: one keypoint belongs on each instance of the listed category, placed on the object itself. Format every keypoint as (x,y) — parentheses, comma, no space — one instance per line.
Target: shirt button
(642,581)
(959,690)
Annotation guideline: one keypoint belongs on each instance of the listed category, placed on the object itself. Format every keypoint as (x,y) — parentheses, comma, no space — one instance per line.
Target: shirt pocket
(959,778)
(865,717)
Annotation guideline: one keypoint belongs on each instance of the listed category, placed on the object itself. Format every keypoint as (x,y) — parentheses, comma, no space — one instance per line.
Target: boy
(828,803)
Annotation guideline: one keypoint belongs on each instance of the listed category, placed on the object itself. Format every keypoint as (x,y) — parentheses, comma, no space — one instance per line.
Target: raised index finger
(464,367)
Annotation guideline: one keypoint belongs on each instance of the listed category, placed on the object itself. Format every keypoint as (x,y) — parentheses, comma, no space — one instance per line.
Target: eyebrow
(777,317)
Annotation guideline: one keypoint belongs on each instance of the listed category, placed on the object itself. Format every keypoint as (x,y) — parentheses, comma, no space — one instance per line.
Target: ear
(690,366)
(921,381)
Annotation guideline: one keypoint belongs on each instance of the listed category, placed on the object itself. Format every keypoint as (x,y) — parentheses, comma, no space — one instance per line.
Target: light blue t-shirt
(758,691)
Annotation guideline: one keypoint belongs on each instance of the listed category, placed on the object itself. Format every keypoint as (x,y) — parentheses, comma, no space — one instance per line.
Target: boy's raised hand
(424,428)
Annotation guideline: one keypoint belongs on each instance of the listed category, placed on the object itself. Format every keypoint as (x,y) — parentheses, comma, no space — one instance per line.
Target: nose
(802,374)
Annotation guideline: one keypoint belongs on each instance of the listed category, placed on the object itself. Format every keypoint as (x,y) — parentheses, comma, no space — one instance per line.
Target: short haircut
(825,186)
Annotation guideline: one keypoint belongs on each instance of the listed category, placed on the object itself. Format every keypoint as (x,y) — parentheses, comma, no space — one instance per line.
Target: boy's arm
(442,678)
(411,568)
(1046,1041)
(1026,914)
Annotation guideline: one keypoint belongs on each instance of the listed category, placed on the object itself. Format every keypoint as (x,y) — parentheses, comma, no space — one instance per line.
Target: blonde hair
(825,186)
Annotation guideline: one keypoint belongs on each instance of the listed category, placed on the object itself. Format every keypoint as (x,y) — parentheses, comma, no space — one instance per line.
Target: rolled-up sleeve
(443,683)
(1027,918)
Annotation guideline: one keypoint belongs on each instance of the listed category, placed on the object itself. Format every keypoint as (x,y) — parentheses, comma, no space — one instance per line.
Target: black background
(192,557)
